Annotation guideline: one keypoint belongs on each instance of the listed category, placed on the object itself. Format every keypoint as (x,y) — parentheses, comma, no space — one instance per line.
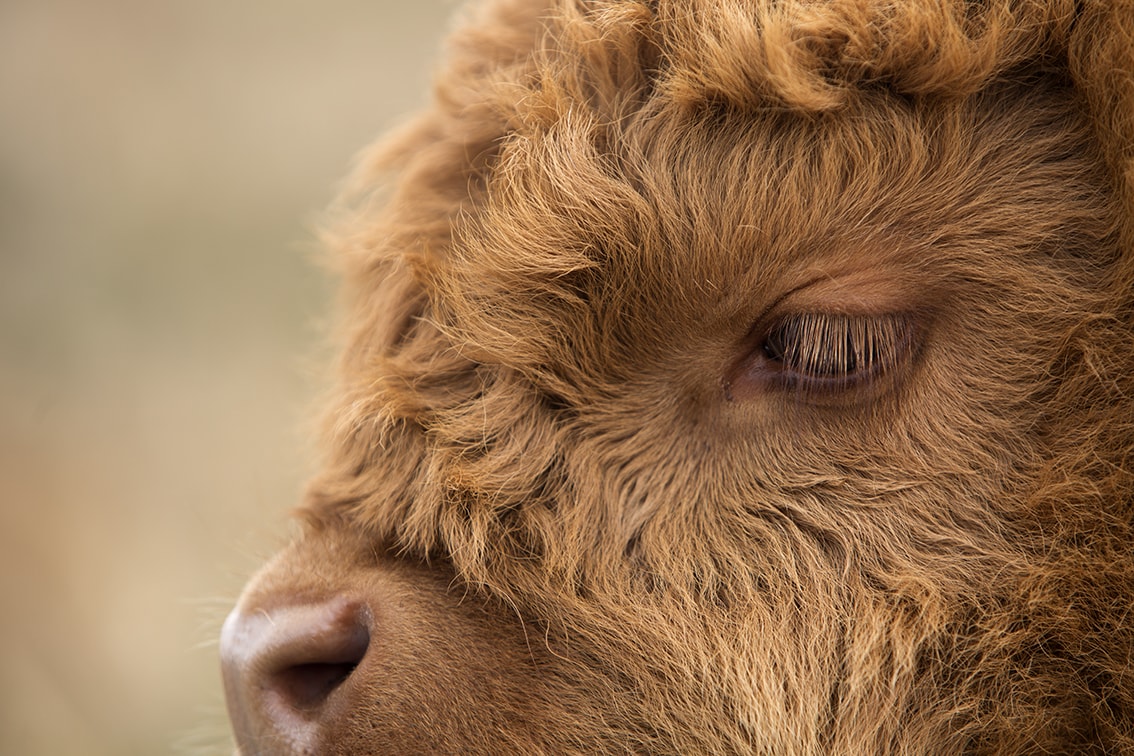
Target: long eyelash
(833,348)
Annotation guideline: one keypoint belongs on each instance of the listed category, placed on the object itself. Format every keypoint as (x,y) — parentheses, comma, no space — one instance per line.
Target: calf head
(727,377)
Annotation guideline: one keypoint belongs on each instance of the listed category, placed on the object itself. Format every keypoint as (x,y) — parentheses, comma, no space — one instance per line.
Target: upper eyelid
(868,292)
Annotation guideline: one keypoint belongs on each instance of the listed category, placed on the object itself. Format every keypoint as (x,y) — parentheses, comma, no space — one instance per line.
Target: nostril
(282,665)
(304,672)
(306,686)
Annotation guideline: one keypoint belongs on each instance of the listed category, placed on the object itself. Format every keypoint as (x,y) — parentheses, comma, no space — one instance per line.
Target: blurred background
(163,167)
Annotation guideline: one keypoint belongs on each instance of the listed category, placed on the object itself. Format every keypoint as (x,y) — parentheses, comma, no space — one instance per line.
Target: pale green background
(163,166)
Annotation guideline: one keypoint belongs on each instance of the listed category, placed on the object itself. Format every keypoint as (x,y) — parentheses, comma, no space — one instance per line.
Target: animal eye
(826,350)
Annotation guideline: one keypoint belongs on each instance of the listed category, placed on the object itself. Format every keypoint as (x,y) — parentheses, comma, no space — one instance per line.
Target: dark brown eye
(828,350)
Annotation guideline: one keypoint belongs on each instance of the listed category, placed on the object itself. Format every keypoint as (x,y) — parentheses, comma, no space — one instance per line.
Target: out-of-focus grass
(162,166)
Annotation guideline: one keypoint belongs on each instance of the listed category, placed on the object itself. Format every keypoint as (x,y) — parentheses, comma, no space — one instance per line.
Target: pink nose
(286,671)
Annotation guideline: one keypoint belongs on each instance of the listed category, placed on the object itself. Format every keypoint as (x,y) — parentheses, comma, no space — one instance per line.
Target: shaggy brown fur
(740,376)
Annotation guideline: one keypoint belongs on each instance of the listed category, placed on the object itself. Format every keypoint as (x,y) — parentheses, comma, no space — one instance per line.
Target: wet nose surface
(283,666)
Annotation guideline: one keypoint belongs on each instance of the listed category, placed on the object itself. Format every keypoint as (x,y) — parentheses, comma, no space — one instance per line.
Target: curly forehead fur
(554,272)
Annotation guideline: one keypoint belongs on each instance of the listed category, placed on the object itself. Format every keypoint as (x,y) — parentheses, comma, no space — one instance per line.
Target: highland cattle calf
(725,377)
